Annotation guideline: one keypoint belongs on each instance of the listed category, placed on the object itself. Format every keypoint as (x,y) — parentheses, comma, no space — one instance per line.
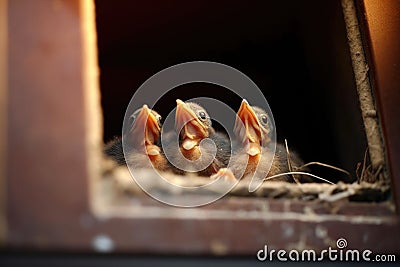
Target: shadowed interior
(297,54)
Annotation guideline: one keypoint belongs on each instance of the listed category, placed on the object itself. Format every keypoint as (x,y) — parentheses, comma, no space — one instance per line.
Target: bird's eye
(202,115)
(132,119)
(159,118)
(264,119)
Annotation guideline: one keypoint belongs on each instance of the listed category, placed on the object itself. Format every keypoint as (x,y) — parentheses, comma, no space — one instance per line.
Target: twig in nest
(299,173)
(358,172)
(293,173)
(290,163)
(368,174)
(364,165)
(325,165)
(338,196)
(378,171)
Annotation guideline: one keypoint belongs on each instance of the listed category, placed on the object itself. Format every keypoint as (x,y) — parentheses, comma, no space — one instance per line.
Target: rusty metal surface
(382,30)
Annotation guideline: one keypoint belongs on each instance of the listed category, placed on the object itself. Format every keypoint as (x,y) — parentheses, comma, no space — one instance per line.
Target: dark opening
(296,52)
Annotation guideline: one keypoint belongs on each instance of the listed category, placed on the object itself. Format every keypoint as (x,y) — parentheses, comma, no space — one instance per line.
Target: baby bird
(193,125)
(143,150)
(253,149)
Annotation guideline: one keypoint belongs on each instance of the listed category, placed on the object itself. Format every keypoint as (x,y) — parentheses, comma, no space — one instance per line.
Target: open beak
(192,129)
(146,128)
(248,129)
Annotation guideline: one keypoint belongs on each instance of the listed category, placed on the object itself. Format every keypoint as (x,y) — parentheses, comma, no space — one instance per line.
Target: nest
(120,182)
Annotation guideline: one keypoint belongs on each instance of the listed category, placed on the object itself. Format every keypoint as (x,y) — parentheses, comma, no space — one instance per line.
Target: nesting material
(119,181)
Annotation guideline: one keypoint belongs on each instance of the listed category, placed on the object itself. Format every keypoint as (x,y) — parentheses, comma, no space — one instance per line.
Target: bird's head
(193,123)
(252,127)
(145,128)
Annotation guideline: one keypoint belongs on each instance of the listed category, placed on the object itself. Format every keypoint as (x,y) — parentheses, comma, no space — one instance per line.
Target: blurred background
(296,52)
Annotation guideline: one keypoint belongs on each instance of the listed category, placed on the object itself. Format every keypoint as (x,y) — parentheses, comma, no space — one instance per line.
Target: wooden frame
(381,28)
(54,149)
(3,116)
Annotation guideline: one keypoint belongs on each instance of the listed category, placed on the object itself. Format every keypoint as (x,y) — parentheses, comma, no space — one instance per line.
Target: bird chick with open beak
(252,151)
(142,149)
(193,124)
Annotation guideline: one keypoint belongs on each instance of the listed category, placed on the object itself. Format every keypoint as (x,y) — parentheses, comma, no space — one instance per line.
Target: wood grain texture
(3,115)
(47,154)
(382,31)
